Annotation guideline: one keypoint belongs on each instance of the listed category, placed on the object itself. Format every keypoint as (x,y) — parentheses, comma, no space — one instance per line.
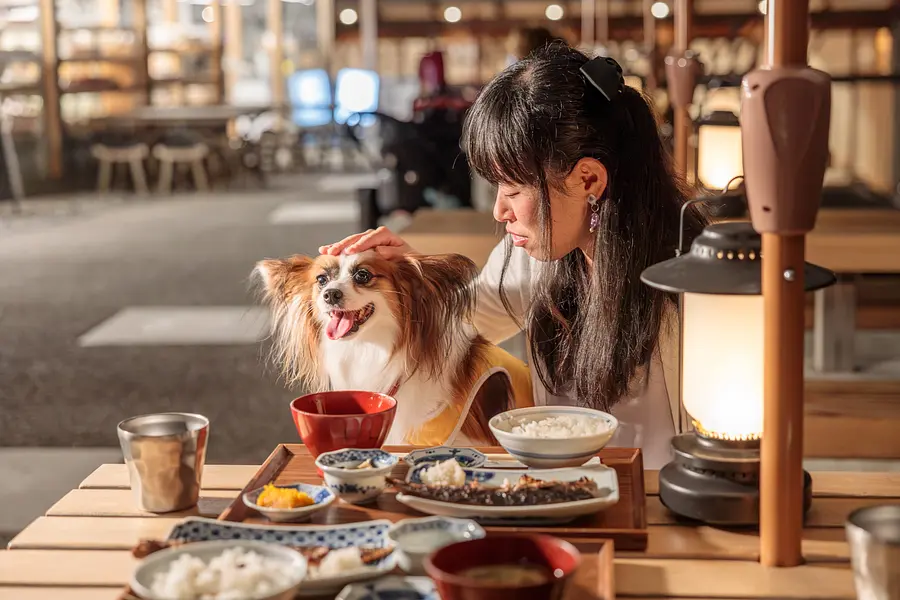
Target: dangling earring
(595,213)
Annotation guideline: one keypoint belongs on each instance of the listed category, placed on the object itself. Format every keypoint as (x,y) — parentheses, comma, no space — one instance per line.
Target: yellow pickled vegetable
(278,497)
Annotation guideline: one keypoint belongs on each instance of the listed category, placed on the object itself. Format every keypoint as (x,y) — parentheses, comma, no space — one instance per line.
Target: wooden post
(587,24)
(781,485)
(368,28)
(140,25)
(216,43)
(275,26)
(53,127)
(603,22)
(325,32)
(650,46)
(233,46)
(684,14)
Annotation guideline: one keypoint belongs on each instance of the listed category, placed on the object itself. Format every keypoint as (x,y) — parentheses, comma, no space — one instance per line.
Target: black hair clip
(605,74)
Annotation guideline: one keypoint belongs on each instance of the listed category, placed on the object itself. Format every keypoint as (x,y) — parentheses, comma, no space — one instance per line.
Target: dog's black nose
(333,296)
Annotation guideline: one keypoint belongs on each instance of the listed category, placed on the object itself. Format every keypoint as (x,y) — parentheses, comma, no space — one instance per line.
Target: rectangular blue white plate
(543,514)
(369,534)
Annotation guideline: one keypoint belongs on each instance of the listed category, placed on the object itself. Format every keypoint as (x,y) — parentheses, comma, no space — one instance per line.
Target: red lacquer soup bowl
(502,567)
(334,420)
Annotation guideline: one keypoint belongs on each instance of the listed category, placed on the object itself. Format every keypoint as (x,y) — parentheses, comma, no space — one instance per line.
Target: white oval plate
(561,512)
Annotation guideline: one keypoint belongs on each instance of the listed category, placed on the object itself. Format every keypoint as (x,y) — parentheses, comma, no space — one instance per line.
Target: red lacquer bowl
(335,420)
(558,559)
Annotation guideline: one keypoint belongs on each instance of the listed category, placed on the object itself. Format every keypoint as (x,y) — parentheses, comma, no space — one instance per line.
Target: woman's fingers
(338,247)
(380,237)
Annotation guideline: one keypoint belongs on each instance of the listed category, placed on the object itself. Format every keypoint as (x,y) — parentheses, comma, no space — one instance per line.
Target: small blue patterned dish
(391,588)
(321,495)
(466,457)
(417,538)
(343,474)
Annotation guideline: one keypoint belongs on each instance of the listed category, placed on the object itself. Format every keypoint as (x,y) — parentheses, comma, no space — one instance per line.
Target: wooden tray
(594,579)
(625,523)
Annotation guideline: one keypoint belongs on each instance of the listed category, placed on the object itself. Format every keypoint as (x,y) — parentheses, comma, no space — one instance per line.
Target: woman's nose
(503,210)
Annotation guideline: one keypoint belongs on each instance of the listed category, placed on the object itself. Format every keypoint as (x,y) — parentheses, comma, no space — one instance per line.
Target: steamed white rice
(338,562)
(236,574)
(445,473)
(561,427)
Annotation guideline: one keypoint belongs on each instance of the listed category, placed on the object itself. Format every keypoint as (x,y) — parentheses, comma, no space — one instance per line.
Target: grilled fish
(527,491)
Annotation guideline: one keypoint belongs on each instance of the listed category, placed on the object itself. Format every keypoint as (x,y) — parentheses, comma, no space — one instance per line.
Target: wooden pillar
(215,28)
(233,46)
(587,23)
(140,26)
(783,248)
(368,29)
(325,32)
(53,128)
(650,47)
(684,15)
(602,33)
(275,26)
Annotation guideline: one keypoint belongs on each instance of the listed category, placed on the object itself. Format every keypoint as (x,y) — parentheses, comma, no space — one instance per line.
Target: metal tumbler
(874,537)
(165,454)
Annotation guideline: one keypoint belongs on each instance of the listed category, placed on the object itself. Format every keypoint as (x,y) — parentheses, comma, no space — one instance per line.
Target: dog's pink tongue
(339,325)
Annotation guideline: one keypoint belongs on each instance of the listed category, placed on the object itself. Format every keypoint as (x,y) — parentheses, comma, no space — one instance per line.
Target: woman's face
(518,207)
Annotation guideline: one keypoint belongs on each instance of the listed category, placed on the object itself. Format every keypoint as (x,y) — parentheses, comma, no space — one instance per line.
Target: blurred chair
(181,149)
(112,152)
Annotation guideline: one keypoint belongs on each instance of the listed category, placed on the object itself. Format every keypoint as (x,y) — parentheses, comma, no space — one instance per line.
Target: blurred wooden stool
(171,155)
(131,154)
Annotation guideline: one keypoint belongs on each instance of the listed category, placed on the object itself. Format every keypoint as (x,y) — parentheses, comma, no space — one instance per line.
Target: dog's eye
(362,277)
(322,279)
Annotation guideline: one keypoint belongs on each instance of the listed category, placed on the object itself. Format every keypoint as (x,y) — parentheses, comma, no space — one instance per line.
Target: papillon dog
(400,327)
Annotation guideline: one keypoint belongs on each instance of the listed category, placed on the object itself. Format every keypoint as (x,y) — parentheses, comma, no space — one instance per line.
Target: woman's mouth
(347,322)
(518,240)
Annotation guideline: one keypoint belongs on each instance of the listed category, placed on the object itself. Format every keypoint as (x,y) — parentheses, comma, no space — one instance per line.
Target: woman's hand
(384,241)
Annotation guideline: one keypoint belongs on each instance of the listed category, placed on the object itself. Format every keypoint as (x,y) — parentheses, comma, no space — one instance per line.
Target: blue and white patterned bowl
(353,485)
(369,534)
(391,588)
(417,538)
(466,457)
(414,475)
(321,495)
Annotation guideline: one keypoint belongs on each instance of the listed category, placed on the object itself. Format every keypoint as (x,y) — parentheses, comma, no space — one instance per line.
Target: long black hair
(591,327)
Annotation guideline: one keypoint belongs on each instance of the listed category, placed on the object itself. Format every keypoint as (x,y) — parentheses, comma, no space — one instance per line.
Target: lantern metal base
(716,481)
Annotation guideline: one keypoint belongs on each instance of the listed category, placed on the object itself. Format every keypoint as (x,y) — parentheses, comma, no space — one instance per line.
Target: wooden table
(80,549)
(847,241)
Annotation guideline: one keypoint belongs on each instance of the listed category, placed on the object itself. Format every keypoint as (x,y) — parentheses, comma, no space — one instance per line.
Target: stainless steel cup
(874,537)
(165,454)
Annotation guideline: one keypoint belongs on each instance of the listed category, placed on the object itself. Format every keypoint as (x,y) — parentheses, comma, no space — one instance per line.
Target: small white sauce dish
(551,453)
(352,484)
(142,580)
(321,495)
(415,539)
(468,458)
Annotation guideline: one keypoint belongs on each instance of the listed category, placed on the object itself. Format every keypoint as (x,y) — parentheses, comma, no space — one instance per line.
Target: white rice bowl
(550,437)
(220,570)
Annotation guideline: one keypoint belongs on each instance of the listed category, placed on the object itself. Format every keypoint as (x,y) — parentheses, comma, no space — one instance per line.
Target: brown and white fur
(409,323)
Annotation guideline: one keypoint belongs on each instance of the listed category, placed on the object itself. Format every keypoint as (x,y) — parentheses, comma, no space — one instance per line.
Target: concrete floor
(68,266)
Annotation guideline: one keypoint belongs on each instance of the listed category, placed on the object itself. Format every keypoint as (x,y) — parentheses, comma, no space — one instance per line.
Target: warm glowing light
(208,14)
(720,156)
(763,6)
(554,12)
(452,14)
(348,16)
(723,387)
(660,10)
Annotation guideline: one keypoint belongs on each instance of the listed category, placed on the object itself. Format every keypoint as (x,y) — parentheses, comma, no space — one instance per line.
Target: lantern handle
(699,200)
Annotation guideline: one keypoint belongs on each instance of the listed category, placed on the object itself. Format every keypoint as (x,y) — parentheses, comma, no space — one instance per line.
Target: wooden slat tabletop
(81,548)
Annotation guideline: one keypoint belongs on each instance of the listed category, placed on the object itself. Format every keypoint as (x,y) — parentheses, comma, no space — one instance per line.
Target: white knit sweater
(645,416)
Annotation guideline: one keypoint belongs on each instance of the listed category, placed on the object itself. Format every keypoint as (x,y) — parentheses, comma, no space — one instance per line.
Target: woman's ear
(588,178)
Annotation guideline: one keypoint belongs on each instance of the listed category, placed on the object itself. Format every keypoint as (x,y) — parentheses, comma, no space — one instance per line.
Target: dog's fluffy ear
(439,297)
(446,283)
(295,333)
(275,273)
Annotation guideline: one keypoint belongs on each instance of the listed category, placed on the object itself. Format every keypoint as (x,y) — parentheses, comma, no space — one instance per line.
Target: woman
(589,199)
